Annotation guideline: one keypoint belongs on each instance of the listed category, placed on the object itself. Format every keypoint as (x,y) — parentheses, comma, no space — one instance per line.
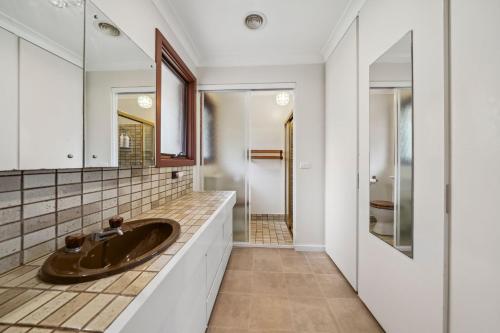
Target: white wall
(475,159)
(309,138)
(267,131)
(341,155)
(404,294)
(138,19)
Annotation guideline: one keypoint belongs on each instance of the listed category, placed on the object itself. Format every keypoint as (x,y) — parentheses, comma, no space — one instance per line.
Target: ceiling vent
(255,21)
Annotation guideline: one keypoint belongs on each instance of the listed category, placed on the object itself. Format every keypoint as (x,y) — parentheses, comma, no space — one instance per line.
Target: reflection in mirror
(391,146)
(41,81)
(120,103)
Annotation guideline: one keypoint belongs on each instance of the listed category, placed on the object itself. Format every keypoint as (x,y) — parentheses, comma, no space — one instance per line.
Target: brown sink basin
(141,241)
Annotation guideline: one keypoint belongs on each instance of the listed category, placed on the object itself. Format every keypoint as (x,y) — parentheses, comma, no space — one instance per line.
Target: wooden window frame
(165,54)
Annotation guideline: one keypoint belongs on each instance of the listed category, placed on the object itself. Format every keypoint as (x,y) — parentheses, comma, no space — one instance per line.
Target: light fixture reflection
(145,101)
(283,98)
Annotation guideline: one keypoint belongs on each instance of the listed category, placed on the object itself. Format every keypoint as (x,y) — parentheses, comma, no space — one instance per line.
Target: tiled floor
(280,290)
(269,230)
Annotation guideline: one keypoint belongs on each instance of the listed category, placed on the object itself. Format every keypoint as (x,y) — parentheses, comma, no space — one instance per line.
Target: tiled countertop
(29,305)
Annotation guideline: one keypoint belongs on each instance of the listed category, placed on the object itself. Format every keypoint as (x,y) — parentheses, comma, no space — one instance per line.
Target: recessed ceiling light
(108,29)
(255,21)
(145,101)
(66,3)
(283,98)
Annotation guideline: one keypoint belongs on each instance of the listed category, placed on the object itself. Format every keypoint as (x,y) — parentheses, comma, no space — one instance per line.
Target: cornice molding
(348,16)
(170,16)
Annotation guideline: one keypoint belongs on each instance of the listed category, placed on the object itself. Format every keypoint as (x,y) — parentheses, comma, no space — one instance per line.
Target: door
(224,151)
(289,173)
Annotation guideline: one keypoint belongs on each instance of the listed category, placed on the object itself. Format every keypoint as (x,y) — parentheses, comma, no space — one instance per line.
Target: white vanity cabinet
(9,143)
(50,110)
(181,297)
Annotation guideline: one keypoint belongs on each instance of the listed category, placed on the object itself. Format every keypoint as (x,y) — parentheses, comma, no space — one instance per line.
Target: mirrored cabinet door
(391,146)
(41,47)
(120,103)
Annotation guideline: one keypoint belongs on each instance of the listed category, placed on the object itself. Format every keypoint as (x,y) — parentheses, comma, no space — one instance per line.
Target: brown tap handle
(74,241)
(115,222)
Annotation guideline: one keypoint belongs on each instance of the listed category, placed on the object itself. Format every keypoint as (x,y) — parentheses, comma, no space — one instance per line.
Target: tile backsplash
(39,208)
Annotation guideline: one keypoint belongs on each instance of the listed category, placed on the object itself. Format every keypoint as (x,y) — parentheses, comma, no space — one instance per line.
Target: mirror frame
(165,54)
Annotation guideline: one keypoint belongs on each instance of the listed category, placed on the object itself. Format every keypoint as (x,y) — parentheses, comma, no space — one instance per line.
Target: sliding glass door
(224,151)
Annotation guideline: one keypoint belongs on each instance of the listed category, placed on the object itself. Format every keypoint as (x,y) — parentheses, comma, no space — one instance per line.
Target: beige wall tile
(9,215)
(69,202)
(39,208)
(135,287)
(10,262)
(84,315)
(69,214)
(48,308)
(68,309)
(69,190)
(10,246)
(39,222)
(69,178)
(9,199)
(28,307)
(123,282)
(39,236)
(10,183)
(39,250)
(106,317)
(10,230)
(39,180)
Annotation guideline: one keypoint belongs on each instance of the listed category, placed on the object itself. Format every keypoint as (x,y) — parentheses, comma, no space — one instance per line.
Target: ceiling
(215,35)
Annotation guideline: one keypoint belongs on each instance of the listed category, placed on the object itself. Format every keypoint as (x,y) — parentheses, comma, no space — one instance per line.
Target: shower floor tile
(269,230)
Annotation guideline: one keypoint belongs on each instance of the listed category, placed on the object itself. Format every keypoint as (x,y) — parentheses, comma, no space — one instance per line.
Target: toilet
(383,211)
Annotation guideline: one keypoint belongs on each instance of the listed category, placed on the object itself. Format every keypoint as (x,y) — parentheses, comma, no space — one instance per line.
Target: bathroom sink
(96,258)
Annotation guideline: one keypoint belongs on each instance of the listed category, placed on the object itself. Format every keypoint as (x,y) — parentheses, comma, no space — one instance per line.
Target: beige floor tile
(268,283)
(240,262)
(352,316)
(295,264)
(312,315)
(302,285)
(334,286)
(231,311)
(267,263)
(270,313)
(226,330)
(322,265)
(237,282)
(290,252)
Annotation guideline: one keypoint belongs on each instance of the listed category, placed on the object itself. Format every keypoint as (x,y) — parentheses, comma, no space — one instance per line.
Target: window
(175,109)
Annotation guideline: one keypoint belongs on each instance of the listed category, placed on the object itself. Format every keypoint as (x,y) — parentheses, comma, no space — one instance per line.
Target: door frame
(244,87)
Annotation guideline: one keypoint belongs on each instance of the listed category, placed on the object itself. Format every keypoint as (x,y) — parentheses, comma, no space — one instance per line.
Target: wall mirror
(120,96)
(41,66)
(391,146)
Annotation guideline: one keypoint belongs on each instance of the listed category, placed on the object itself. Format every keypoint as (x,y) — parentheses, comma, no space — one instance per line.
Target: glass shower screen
(224,150)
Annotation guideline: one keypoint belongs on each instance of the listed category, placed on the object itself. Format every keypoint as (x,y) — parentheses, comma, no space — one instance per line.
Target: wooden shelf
(266,154)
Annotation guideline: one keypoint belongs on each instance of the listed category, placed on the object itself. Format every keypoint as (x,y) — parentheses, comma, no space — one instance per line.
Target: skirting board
(309,247)
(273,246)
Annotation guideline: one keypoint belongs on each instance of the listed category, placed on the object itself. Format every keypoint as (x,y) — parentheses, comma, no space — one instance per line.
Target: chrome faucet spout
(105,234)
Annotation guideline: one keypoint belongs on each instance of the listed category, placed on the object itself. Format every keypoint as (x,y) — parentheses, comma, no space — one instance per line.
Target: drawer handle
(70,155)
(94,156)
